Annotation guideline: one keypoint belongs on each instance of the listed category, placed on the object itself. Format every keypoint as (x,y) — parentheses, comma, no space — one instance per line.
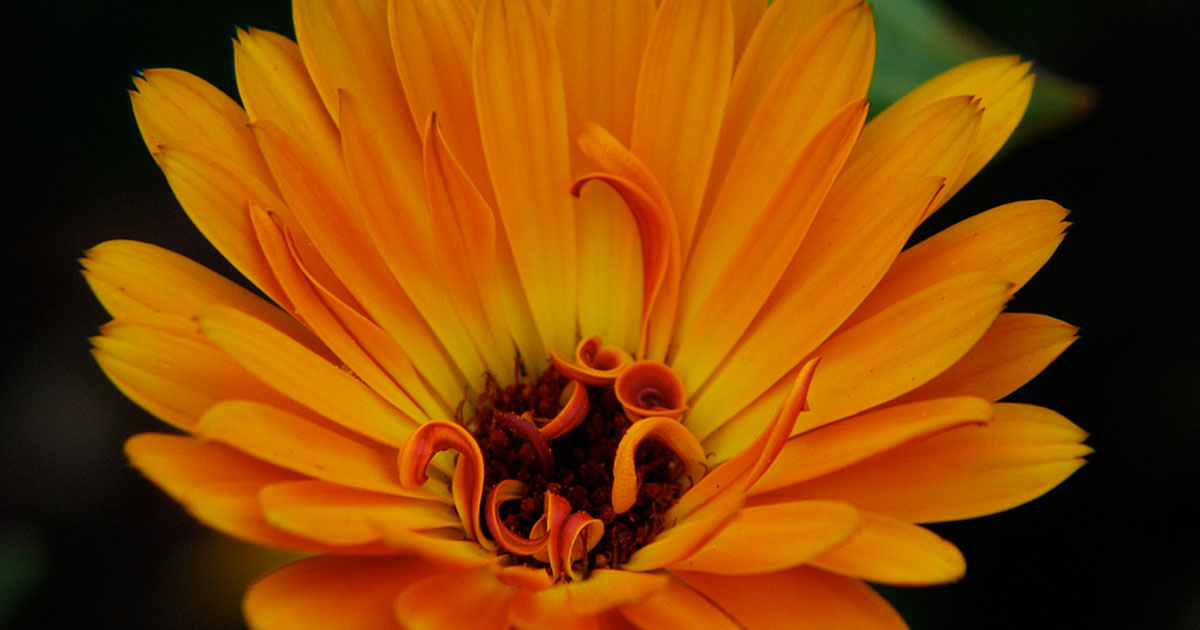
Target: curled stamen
(649,389)
(510,490)
(671,434)
(595,364)
(580,534)
(558,510)
(572,414)
(526,429)
(432,438)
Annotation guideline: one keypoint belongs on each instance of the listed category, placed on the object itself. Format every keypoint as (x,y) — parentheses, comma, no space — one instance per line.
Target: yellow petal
(305,447)
(332,592)
(601,46)
(341,516)
(466,599)
(797,598)
(679,606)
(746,15)
(873,208)
(766,538)
(1016,348)
(681,99)
(962,473)
(1012,241)
(890,551)
(216,484)
(866,435)
(523,126)
(305,377)
(175,377)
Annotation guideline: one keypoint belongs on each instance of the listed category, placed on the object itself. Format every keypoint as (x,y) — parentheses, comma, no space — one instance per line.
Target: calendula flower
(586,314)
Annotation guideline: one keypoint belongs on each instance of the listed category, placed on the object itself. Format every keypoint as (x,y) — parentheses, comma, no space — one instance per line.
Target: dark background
(83,539)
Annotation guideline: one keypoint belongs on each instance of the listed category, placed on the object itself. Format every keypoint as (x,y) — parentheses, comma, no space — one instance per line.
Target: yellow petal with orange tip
(902,347)
(523,127)
(767,538)
(175,377)
(680,101)
(803,597)
(572,604)
(679,606)
(866,435)
(1012,241)
(431,47)
(601,46)
(872,209)
(1016,348)
(886,550)
(303,446)
(341,516)
(216,484)
(963,473)
(758,258)
(1002,85)
(305,377)
(461,599)
(274,85)
(177,108)
(333,592)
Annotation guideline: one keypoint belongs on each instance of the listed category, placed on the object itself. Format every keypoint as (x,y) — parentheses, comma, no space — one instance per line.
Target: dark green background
(84,540)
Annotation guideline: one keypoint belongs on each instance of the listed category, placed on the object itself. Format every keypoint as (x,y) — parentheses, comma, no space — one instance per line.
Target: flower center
(573,471)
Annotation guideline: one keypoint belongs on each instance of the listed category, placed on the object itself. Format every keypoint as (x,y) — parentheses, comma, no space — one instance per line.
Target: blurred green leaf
(918,39)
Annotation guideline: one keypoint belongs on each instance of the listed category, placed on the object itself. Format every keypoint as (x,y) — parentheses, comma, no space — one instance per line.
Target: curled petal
(670,433)
(580,534)
(429,440)
(558,510)
(510,490)
(595,364)
(649,389)
(526,429)
(572,414)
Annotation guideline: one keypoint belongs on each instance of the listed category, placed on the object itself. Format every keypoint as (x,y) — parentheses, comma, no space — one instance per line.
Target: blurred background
(1112,136)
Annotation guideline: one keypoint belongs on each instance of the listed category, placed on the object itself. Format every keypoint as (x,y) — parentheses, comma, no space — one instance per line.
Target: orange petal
(681,99)
(866,435)
(297,444)
(890,551)
(649,389)
(445,546)
(595,364)
(671,434)
(679,606)
(869,214)
(342,516)
(962,473)
(464,599)
(573,413)
(510,490)
(429,440)
(1016,348)
(572,604)
(523,127)
(332,592)
(797,598)
(766,538)
(305,377)
(684,536)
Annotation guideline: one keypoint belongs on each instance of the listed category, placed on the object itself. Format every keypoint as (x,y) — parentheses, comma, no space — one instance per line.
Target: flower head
(589,316)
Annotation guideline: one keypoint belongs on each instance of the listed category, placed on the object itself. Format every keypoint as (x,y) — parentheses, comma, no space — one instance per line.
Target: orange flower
(588,317)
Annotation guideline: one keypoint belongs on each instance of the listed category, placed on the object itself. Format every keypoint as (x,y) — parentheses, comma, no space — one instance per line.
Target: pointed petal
(523,126)
(838,445)
(797,598)
(466,599)
(873,208)
(681,100)
(890,551)
(341,516)
(1016,348)
(332,592)
(962,473)
(766,538)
